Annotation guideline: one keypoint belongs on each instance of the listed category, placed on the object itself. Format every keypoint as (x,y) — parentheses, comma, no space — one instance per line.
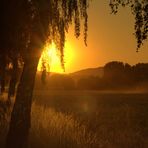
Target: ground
(87,119)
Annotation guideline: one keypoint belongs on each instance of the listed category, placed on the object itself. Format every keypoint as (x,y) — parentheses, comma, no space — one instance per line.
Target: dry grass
(55,129)
(108,127)
(87,121)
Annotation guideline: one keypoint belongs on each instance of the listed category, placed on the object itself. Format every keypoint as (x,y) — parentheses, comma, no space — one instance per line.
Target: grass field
(88,119)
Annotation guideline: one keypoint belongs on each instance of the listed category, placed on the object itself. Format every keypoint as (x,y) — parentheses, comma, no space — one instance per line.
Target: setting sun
(52,58)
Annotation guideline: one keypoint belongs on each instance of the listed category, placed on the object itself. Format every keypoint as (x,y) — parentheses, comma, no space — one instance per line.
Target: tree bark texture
(13,80)
(20,123)
(2,72)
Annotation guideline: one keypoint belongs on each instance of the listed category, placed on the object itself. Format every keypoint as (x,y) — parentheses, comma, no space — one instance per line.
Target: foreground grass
(58,130)
(77,120)
(55,129)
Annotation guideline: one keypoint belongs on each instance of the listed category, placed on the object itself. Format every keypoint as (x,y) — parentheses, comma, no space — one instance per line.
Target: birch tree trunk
(21,115)
(13,80)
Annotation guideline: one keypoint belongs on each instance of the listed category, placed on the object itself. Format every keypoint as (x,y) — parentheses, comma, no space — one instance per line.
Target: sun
(51,56)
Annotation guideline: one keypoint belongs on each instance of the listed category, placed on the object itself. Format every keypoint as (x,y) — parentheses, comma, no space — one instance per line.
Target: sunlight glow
(52,58)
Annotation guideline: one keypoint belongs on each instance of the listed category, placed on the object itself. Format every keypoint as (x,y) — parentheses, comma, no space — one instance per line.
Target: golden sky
(110,38)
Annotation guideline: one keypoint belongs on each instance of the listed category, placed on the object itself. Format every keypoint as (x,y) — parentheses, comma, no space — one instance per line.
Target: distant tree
(44,70)
(140,72)
(113,70)
(128,78)
(117,74)
(45,67)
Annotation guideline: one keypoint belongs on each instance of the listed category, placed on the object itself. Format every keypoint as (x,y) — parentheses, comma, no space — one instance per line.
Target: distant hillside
(97,72)
(85,73)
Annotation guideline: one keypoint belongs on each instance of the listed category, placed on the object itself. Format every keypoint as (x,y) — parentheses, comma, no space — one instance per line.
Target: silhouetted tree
(118,74)
(35,21)
(13,33)
(43,75)
(113,73)
(25,27)
(3,63)
(13,78)
(128,78)
(140,72)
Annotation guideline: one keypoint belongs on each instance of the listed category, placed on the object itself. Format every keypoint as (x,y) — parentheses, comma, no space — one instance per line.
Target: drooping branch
(63,14)
(139,9)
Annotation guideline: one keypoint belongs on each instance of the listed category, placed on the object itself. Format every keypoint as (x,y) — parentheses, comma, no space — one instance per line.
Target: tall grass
(55,129)
(114,128)
(86,123)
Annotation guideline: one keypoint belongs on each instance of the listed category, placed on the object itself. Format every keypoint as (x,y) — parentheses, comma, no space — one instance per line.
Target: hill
(96,72)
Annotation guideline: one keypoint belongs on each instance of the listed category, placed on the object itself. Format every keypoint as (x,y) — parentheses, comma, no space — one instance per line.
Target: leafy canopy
(26,23)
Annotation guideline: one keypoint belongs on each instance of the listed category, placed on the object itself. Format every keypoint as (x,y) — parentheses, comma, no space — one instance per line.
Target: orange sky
(110,37)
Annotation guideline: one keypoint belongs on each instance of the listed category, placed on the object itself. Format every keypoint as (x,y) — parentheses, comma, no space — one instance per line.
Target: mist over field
(104,107)
(114,76)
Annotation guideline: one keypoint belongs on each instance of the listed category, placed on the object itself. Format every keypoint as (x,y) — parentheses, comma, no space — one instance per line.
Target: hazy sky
(110,37)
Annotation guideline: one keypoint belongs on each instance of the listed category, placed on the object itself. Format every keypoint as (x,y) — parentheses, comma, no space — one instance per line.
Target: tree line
(116,75)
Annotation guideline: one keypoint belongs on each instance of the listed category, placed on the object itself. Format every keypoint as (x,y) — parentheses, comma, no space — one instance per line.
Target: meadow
(87,119)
